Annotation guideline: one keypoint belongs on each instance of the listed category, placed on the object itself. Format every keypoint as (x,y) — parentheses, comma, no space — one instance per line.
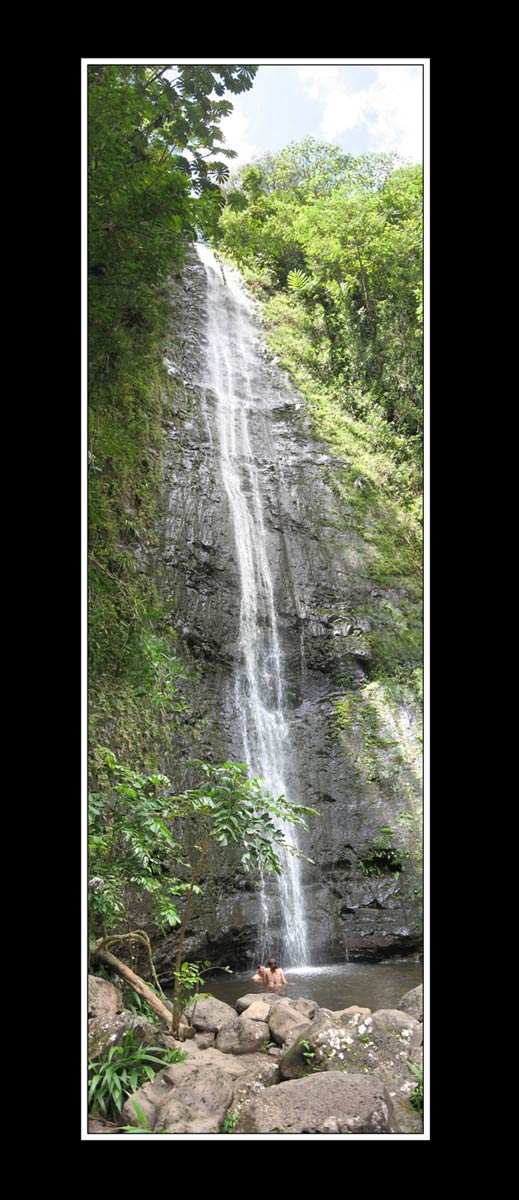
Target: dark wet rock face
(355,903)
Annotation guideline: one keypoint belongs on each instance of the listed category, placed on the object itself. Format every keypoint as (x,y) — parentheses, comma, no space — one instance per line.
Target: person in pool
(260,976)
(273,974)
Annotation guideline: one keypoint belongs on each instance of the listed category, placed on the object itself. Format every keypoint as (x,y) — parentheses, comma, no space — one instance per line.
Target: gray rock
(253,997)
(194,1096)
(304,1053)
(104,999)
(253,1081)
(256,1012)
(320,1104)
(204,1040)
(198,1104)
(382,1044)
(353,1042)
(98,1125)
(308,1008)
(286,1023)
(186,1031)
(353,1008)
(412,1003)
(241,1036)
(209,1015)
(104,1032)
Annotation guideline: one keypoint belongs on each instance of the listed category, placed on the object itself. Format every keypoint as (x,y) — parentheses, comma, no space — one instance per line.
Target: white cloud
(318,78)
(390,107)
(235,129)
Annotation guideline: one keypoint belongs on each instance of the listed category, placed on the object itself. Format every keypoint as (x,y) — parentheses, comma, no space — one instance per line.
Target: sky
(360,108)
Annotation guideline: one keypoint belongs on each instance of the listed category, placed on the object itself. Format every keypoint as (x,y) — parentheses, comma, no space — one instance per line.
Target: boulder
(382,1044)
(241,1036)
(209,1015)
(303,1055)
(98,1125)
(254,1080)
(354,1008)
(184,1096)
(195,1096)
(412,1003)
(267,998)
(198,1104)
(104,1032)
(256,1012)
(204,1040)
(285,1023)
(308,1007)
(185,1032)
(104,999)
(330,1103)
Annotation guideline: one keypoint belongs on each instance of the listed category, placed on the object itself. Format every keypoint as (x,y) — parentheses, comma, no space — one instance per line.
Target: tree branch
(100,952)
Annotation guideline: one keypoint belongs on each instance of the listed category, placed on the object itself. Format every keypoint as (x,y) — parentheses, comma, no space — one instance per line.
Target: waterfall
(227,386)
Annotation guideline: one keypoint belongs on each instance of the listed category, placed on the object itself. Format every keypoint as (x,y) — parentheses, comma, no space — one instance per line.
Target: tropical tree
(234,808)
(343,237)
(157,162)
(133,856)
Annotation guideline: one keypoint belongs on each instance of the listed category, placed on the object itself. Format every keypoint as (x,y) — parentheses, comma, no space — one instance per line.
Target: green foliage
(132,851)
(241,810)
(383,857)
(124,1070)
(146,198)
(143,1126)
(155,170)
(298,281)
(129,844)
(134,1003)
(417,1096)
(345,715)
(188,982)
(308,1054)
(345,235)
(230,1122)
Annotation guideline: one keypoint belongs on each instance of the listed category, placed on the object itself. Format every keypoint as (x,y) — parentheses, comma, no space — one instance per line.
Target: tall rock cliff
(352,745)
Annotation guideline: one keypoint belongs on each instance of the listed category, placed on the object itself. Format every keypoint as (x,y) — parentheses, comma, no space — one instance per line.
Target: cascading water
(228,373)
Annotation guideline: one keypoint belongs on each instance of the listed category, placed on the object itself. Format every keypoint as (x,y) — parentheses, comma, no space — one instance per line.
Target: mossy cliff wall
(349,622)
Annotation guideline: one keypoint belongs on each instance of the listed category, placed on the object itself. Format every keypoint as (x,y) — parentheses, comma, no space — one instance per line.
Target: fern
(298,281)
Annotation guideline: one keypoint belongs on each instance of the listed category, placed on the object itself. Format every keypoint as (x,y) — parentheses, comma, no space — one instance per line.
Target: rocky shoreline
(271,1065)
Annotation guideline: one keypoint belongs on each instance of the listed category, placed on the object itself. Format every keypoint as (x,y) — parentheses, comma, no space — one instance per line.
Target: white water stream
(229,369)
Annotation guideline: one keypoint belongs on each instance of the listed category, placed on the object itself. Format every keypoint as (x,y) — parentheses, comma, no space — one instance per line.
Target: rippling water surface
(372,985)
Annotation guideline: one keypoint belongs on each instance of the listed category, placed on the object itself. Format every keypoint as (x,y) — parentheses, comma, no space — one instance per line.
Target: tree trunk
(177,990)
(134,981)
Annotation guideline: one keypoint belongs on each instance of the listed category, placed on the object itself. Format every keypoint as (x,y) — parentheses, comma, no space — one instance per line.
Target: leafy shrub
(417,1096)
(230,1122)
(124,1070)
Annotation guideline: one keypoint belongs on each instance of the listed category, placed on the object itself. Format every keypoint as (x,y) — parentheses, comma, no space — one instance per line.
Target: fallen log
(105,956)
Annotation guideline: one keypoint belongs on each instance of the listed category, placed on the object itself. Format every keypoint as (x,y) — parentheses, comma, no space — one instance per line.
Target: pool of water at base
(371,985)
